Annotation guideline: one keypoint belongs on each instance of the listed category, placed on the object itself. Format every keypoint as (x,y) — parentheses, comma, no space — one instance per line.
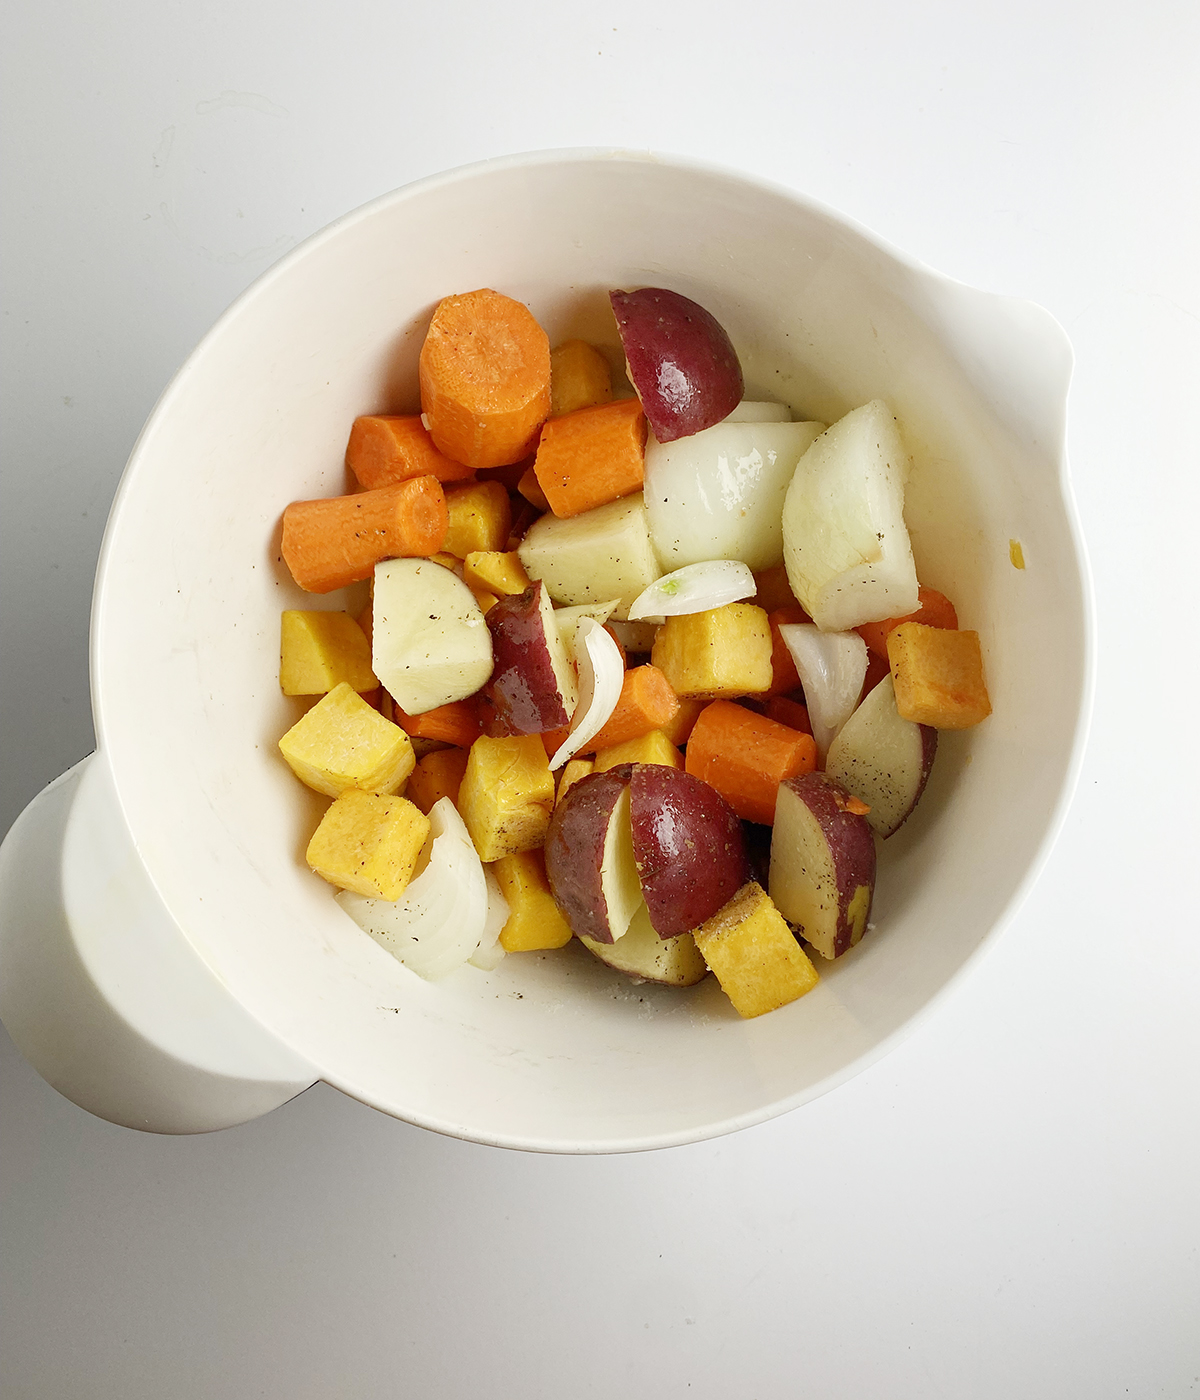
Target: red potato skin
(688,844)
(681,361)
(574,850)
(850,841)
(523,695)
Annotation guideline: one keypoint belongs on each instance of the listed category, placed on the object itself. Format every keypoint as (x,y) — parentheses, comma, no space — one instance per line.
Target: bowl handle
(100,988)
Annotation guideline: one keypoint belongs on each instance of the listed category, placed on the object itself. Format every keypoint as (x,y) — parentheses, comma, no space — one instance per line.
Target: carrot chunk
(458,722)
(746,756)
(784,676)
(934,609)
(647,702)
(385,448)
(485,379)
(592,456)
(784,710)
(331,543)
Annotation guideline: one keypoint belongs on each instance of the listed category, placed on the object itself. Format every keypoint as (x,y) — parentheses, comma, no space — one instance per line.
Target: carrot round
(485,379)
(458,722)
(592,456)
(934,609)
(647,702)
(331,543)
(746,756)
(385,448)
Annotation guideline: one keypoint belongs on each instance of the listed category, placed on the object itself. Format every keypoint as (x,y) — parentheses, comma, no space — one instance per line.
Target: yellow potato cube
(480,519)
(534,920)
(722,652)
(756,958)
(938,676)
(343,743)
(579,377)
(570,774)
(496,572)
(654,747)
(437,775)
(507,795)
(318,650)
(368,844)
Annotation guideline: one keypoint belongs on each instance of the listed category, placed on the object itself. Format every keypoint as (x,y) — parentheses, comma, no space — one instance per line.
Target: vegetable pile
(617,649)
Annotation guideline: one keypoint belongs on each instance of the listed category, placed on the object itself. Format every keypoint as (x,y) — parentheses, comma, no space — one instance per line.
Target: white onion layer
(601,674)
(832,667)
(490,952)
(438,921)
(694,588)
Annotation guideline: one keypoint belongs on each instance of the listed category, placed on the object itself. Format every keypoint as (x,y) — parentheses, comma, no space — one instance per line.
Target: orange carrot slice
(328,544)
(385,448)
(592,456)
(485,379)
(458,722)
(934,609)
(746,756)
(784,710)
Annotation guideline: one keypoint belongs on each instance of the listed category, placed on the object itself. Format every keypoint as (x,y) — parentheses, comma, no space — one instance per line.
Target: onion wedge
(832,667)
(694,588)
(601,673)
(437,923)
(491,951)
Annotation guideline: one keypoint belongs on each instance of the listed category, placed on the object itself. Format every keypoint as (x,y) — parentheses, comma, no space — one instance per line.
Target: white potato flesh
(749,411)
(882,759)
(600,554)
(719,494)
(437,923)
(568,619)
(845,544)
(429,641)
(642,953)
(619,884)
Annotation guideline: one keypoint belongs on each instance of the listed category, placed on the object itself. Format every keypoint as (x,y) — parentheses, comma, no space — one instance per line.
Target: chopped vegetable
(754,954)
(319,650)
(368,844)
(385,448)
(343,743)
(694,588)
(479,518)
(934,609)
(746,756)
(938,676)
(592,456)
(723,652)
(579,378)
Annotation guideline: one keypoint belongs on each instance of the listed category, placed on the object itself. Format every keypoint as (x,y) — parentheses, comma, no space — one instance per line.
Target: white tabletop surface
(1006,1205)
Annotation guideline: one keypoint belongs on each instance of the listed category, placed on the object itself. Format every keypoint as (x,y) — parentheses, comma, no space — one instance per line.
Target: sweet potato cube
(343,743)
(501,573)
(507,795)
(679,730)
(722,652)
(319,650)
(534,920)
(654,747)
(368,844)
(579,377)
(437,775)
(480,518)
(756,958)
(938,676)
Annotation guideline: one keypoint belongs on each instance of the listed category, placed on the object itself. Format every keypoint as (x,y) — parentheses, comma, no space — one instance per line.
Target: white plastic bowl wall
(553,1051)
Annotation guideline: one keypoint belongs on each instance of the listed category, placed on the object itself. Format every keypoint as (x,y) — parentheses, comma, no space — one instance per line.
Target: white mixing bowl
(166,959)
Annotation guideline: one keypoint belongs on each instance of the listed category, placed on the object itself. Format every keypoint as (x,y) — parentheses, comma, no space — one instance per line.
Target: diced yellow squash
(756,958)
(654,747)
(507,795)
(499,572)
(570,774)
(318,650)
(534,920)
(437,775)
(343,743)
(938,676)
(480,519)
(368,844)
(579,377)
(722,652)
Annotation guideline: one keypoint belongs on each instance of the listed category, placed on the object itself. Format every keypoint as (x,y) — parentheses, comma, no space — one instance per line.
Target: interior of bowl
(554,1050)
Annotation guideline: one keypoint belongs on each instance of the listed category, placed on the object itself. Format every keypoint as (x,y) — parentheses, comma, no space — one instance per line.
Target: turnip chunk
(490,952)
(832,667)
(720,494)
(845,544)
(601,672)
(694,588)
(602,553)
(750,411)
(437,923)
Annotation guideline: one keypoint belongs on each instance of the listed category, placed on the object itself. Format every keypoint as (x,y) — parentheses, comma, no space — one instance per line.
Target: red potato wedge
(533,686)
(882,759)
(822,876)
(688,844)
(589,857)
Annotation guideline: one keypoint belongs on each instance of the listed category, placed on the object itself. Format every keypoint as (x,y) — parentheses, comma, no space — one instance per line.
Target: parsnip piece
(845,544)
